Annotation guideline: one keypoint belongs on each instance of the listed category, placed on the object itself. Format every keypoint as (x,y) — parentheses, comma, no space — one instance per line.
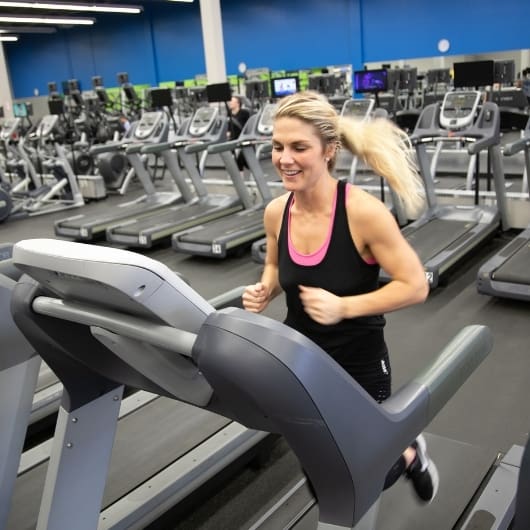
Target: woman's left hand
(321,305)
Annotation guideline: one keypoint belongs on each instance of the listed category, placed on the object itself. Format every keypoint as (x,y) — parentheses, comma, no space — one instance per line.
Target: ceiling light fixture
(93,8)
(46,20)
(27,29)
(8,38)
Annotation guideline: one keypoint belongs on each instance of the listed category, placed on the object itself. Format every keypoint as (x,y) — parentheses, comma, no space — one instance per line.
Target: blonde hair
(378,142)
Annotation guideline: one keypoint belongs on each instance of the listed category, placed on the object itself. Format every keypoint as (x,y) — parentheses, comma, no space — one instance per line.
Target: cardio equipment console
(459,109)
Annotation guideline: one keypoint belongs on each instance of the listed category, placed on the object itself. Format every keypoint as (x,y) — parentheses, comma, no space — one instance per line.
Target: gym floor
(491,411)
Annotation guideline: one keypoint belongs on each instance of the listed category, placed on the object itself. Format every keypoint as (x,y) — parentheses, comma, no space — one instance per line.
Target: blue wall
(165,42)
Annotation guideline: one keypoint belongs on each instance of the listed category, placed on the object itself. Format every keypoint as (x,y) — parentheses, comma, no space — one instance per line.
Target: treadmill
(444,235)
(153,127)
(241,365)
(162,449)
(205,128)
(220,238)
(507,273)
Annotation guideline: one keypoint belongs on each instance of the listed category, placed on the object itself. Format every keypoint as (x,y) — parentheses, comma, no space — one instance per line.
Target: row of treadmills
(186,213)
(446,235)
(211,384)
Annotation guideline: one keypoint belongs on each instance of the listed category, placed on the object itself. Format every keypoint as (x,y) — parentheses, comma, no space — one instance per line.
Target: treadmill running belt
(433,237)
(146,442)
(225,227)
(179,215)
(516,269)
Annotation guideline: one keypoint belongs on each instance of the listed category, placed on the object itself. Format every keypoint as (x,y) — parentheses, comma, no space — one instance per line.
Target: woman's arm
(256,297)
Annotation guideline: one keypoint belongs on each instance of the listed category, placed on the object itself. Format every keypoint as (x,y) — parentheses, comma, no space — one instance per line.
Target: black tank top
(343,272)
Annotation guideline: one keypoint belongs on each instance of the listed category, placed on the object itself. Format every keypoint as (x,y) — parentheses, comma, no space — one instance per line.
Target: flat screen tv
(284,86)
(438,75)
(505,72)
(56,106)
(122,77)
(20,110)
(161,97)
(473,74)
(370,81)
(257,88)
(218,92)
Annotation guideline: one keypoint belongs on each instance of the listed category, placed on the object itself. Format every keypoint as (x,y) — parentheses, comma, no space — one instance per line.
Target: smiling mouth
(290,172)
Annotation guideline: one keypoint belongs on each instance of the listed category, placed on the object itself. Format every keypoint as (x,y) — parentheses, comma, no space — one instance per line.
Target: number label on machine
(216,248)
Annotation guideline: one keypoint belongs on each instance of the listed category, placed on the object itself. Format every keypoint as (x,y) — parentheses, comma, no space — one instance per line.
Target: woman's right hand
(256,297)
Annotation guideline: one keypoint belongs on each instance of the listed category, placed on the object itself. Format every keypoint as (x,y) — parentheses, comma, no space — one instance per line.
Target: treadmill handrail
(235,144)
(449,370)
(196,147)
(517,146)
(107,147)
(165,146)
(162,336)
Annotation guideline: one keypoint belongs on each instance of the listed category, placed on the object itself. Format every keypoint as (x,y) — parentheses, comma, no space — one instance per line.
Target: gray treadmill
(94,312)
(444,235)
(507,273)
(48,390)
(230,233)
(163,450)
(153,127)
(205,128)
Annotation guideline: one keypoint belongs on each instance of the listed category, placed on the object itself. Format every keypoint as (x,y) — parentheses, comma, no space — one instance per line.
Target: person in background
(326,241)
(239,115)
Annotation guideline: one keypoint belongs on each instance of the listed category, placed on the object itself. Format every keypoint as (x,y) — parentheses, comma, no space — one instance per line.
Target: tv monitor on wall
(438,75)
(473,74)
(218,92)
(505,72)
(370,81)
(284,86)
(20,110)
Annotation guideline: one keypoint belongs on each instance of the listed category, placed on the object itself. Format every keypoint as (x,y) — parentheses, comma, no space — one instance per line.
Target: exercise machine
(93,312)
(205,128)
(152,128)
(234,232)
(58,186)
(507,273)
(444,235)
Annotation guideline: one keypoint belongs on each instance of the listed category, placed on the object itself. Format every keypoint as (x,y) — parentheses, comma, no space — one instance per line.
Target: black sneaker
(422,472)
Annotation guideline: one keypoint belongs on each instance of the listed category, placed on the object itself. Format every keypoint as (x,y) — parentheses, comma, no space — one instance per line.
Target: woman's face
(297,153)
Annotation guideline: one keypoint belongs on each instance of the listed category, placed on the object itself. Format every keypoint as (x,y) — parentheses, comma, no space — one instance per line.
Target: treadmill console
(149,125)
(459,109)
(202,121)
(9,127)
(46,125)
(266,119)
(357,108)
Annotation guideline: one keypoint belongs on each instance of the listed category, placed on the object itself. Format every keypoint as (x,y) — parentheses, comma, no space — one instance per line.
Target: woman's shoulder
(362,205)
(277,205)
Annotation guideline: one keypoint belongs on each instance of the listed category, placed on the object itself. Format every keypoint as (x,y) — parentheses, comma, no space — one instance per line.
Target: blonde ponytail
(380,143)
(386,148)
